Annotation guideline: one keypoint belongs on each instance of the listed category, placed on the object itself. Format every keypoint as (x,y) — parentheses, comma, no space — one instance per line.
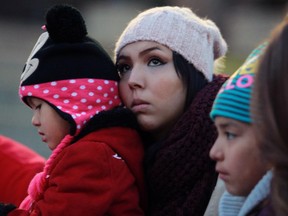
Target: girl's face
(150,86)
(238,159)
(51,127)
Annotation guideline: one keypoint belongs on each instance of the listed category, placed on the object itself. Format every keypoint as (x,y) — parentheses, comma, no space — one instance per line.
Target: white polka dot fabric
(80,98)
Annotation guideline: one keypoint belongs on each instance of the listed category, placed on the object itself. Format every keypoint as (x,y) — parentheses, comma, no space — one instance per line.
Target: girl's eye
(38,107)
(155,62)
(122,69)
(230,136)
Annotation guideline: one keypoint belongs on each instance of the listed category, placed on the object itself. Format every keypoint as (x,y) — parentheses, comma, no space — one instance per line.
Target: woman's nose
(136,78)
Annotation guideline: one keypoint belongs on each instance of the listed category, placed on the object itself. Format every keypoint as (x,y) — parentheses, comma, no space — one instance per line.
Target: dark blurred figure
(271,101)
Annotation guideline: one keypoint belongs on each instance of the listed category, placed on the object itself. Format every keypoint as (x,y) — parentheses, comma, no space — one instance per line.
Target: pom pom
(65,24)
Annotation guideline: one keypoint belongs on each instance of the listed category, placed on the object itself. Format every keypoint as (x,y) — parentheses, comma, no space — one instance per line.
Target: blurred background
(243,23)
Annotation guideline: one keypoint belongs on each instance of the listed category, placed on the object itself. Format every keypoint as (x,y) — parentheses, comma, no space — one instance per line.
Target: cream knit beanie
(198,40)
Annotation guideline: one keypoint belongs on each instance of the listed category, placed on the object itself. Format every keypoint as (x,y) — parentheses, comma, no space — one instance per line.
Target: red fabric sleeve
(88,180)
(18,166)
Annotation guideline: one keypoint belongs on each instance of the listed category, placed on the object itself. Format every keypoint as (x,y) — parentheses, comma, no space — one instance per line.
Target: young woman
(271,97)
(239,161)
(165,59)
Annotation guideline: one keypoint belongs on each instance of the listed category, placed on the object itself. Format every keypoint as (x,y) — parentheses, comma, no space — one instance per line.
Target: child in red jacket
(95,167)
(18,164)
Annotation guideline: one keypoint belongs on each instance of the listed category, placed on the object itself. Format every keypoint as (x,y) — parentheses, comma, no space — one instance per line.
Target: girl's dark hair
(192,78)
(271,117)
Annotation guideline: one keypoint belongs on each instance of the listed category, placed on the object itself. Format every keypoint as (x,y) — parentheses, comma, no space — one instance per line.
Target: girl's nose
(35,120)
(216,153)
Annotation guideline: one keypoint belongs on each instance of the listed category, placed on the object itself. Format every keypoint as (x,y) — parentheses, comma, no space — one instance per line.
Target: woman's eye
(230,136)
(122,69)
(155,62)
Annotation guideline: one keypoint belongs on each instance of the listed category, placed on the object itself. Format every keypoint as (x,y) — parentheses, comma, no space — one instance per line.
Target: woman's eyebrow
(142,53)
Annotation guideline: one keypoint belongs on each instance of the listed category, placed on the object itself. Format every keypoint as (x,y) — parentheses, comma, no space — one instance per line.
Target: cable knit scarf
(182,177)
(240,206)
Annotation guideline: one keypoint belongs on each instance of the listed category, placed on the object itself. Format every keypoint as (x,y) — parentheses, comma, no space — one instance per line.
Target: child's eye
(230,136)
(122,69)
(38,107)
(155,62)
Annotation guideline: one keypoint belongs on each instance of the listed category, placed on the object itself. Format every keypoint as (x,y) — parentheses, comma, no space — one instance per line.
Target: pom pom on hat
(198,40)
(233,99)
(69,70)
(65,24)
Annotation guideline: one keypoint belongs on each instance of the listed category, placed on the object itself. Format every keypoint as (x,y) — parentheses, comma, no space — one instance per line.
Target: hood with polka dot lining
(70,70)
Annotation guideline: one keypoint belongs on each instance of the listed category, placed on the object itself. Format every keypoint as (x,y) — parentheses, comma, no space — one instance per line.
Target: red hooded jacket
(100,174)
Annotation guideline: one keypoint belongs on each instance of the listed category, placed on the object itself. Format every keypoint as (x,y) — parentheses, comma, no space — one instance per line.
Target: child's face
(238,160)
(51,127)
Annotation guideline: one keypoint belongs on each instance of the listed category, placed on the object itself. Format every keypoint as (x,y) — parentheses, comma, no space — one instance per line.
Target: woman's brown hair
(271,115)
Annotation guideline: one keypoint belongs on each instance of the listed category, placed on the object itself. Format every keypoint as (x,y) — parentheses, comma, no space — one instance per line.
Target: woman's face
(150,86)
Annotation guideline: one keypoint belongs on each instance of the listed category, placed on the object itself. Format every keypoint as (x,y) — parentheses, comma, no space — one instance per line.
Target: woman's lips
(139,106)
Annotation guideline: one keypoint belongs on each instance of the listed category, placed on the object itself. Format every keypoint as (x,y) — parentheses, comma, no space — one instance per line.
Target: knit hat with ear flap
(72,73)
(69,70)
(233,99)
(198,40)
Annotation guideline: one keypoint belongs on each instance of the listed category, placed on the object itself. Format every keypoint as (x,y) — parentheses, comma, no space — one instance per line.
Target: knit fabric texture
(240,206)
(233,99)
(198,40)
(182,177)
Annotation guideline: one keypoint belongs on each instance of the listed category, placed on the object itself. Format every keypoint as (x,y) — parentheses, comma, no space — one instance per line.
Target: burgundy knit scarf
(182,177)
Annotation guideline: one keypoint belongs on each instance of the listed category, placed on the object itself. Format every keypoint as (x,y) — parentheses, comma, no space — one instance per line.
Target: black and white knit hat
(69,70)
